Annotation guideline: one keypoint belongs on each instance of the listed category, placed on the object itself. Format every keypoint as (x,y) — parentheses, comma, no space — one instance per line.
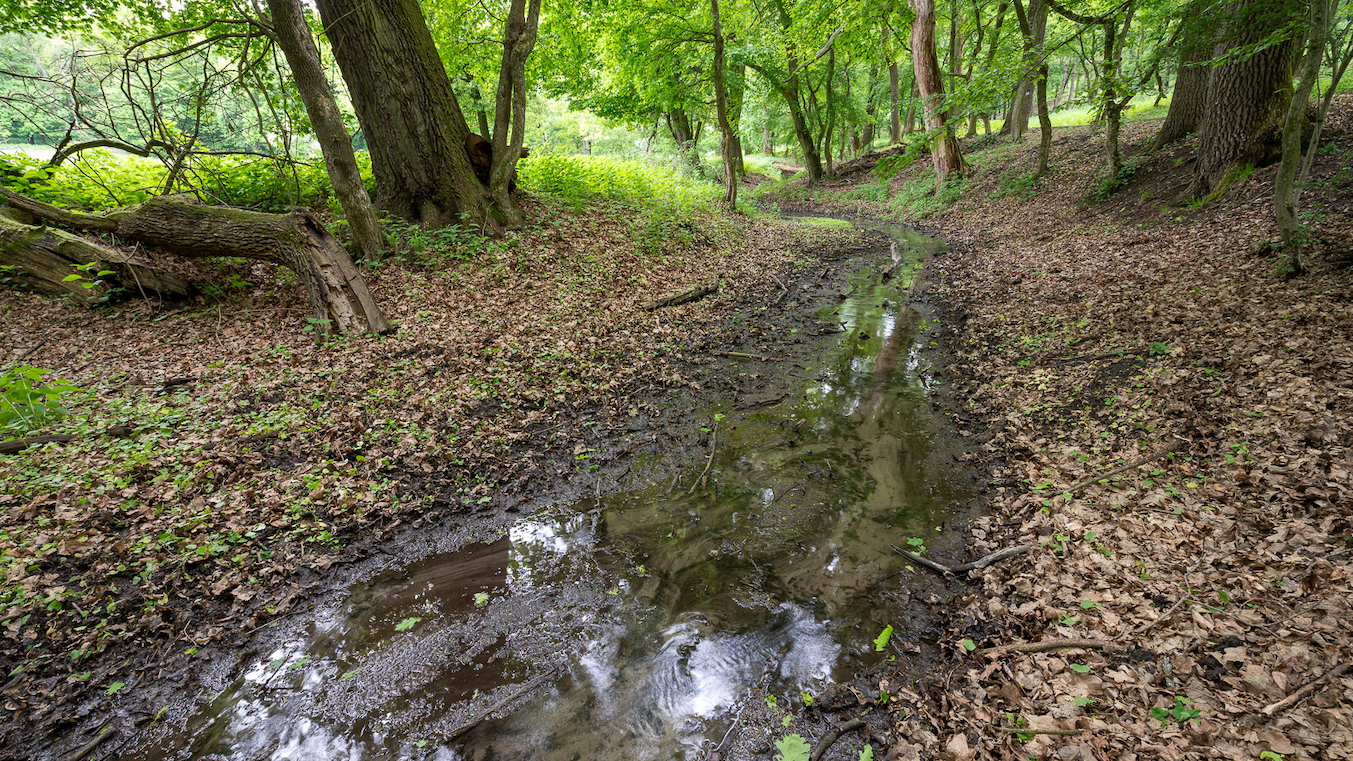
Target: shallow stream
(636,625)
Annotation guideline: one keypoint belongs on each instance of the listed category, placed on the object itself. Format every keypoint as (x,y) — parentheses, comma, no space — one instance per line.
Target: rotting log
(45,257)
(338,295)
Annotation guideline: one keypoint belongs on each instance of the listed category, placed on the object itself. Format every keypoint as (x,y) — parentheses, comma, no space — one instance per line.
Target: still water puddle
(633,627)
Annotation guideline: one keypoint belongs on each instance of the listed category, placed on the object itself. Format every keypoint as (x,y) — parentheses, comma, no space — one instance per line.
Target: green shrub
(575,179)
(918,198)
(26,403)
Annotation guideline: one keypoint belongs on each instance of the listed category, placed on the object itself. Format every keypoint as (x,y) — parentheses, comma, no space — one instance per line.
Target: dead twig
(994,557)
(531,685)
(92,745)
(18,445)
(713,442)
(1049,645)
(1135,463)
(1297,696)
(1018,731)
(28,353)
(745,355)
(832,735)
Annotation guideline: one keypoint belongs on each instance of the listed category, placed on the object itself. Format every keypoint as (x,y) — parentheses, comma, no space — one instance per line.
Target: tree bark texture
(1189,98)
(46,256)
(1033,28)
(728,138)
(339,297)
(944,146)
(1044,123)
(687,138)
(509,122)
(293,36)
(1246,100)
(413,125)
(1294,124)
(895,133)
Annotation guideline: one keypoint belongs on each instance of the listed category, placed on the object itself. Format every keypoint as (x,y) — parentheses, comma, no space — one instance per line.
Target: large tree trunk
(293,36)
(1245,101)
(1190,93)
(944,149)
(339,298)
(413,125)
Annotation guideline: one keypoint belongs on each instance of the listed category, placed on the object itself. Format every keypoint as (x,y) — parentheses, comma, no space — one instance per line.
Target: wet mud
(734,546)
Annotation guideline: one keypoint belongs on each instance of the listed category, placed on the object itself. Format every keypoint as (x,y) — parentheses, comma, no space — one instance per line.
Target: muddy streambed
(635,625)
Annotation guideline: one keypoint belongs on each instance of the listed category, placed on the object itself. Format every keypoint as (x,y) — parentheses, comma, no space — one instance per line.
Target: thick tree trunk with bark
(1246,101)
(1190,92)
(1033,27)
(413,125)
(944,147)
(338,295)
(293,36)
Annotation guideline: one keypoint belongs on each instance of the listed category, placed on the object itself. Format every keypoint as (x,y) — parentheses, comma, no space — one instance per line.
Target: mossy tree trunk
(338,295)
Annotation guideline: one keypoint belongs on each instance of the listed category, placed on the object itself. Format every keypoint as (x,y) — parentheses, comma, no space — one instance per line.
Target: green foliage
(575,179)
(919,198)
(1022,186)
(793,748)
(407,624)
(27,401)
(881,641)
(1180,713)
(98,180)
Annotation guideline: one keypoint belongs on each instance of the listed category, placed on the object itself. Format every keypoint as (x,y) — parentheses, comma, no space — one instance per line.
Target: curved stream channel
(635,626)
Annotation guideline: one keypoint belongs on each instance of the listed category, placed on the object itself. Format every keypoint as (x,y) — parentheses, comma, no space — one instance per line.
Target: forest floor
(1081,335)
(1168,422)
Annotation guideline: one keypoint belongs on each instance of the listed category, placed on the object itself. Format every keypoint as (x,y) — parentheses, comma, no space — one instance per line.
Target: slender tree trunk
(1246,101)
(944,148)
(736,92)
(1190,90)
(728,139)
(912,96)
(509,120)
(1036,22)
(293,36)
(679,124)
(1284,195)
(1044,123)
(895,134)
(413,125)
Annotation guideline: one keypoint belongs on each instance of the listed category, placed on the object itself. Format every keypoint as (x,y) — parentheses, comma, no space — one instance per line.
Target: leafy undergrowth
(1090,332)
(219,449)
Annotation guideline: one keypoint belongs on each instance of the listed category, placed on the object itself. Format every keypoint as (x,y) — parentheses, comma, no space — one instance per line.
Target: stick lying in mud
(684,296)
(832,736)
(1049,645)
(531,685)
(745,355)
(713,442)
(994,557)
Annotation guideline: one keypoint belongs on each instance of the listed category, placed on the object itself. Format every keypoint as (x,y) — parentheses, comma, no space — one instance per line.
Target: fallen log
(46,259)
(339,298)
(684,297)
(1050,645)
